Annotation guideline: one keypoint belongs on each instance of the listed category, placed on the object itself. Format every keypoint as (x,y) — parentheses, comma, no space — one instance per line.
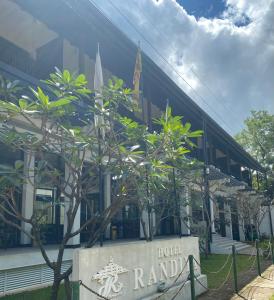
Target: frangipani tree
(59,119)
(160,178)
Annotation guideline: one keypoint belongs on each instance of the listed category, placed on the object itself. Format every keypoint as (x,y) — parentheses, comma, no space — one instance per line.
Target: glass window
(44,205)
(49,202)
(9,236)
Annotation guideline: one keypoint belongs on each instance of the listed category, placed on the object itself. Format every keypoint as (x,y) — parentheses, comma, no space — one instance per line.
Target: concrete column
(107,199)
(228,226)
(28,195)
(185,212)
(74,241)
(212,216)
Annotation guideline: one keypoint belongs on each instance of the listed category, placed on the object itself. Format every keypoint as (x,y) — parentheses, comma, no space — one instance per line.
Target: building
(65,34)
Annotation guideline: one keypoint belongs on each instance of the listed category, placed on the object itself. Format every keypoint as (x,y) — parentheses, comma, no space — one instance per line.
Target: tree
(157,185)
(58,119)
(257,137)
(250,210)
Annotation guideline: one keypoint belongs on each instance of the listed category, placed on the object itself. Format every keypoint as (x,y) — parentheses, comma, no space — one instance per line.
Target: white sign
(133,270)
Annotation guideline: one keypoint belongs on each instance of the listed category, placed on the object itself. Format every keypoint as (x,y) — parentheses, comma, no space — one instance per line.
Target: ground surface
(247,271)
(261,288)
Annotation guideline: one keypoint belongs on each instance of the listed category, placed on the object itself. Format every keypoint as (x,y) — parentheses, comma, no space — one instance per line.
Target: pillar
(228,225)
(28,195)
(74,241)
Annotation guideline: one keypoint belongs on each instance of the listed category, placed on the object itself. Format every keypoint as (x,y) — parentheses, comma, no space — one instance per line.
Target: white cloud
(254,9)
(234,65)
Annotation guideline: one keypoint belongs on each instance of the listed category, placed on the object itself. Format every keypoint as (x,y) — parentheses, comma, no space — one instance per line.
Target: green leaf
(66,76)
(195,134)
(23,103)
(83,91)
(44,99)
(18,164)
(9,106)
(80,80)
(187,126)
(60,102)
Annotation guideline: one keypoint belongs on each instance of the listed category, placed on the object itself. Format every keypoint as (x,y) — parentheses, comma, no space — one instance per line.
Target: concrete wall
(135,270)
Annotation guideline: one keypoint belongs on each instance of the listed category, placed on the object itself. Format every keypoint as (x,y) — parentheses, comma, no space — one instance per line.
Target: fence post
(258,257)
(272,252)
(234,269)
(191,274)
(75,290)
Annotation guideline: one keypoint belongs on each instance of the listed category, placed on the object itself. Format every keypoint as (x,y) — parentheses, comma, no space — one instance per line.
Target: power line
(160,55)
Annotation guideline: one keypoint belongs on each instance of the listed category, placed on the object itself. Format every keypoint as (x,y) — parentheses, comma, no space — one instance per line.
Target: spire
(98,87)
(137,75)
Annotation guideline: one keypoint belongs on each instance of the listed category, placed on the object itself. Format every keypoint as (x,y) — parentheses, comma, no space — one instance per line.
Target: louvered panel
(27,276)
(23,277)
(66,265)
(47,274)
(2,281)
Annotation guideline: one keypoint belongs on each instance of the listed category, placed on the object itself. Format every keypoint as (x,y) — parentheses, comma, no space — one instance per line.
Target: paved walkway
(261,288)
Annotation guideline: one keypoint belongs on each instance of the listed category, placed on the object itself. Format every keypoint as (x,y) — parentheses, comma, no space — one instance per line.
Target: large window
(47,205)
(197,207)
(9,236)
(49,202)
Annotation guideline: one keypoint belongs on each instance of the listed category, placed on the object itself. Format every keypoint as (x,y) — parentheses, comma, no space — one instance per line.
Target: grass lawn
(41,294)
(271,298)
(215,261)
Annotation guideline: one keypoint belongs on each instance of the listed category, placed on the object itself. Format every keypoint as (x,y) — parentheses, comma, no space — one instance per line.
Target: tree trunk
(144,229)
(68,289)
(55,289)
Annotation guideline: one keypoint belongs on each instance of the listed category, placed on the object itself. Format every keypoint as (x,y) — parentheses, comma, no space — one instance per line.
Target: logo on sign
(108,278)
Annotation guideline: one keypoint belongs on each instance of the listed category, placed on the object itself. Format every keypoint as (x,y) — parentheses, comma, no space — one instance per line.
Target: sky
(220,52)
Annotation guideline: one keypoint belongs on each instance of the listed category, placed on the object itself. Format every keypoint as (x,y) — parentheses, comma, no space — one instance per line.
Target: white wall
(265,224)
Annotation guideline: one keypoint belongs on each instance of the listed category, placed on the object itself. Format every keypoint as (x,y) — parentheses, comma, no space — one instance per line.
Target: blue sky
(203,8)
(211,9)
